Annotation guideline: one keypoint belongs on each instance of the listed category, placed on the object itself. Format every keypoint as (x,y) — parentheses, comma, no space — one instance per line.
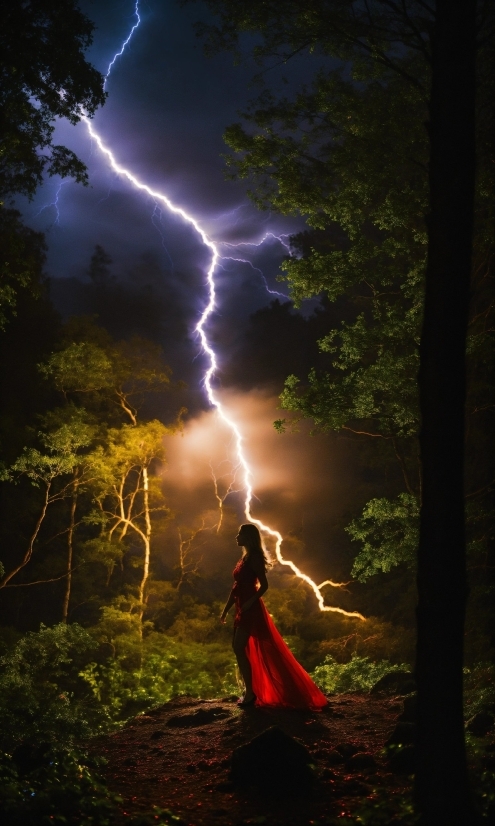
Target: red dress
(278,679)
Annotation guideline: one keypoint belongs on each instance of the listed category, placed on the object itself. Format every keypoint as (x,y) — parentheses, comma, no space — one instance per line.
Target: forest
(111,587)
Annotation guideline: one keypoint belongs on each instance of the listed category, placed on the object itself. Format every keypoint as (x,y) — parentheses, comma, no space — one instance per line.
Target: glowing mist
(200,329)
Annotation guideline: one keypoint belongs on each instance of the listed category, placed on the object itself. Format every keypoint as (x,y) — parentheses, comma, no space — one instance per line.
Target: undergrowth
(359,674)
(57,689)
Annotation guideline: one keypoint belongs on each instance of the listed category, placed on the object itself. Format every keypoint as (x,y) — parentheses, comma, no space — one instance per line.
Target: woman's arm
(228,606)
(260,572)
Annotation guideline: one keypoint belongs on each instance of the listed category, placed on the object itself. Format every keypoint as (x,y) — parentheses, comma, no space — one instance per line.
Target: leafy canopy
(43,76)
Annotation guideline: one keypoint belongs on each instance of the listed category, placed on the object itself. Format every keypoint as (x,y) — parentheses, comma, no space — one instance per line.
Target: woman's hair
(254,543)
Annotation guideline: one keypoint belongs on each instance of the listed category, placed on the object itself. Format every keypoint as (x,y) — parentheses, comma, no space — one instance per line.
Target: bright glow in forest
(242,465)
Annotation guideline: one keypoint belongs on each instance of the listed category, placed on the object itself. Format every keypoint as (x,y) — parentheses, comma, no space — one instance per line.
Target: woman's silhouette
(271,674)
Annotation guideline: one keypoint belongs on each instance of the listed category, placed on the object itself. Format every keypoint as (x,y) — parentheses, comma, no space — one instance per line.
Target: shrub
(55,785)
(360,674)
(42,696)
(168,668)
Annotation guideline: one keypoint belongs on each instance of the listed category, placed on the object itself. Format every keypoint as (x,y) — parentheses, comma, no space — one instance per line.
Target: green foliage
(360,674)
(148,670)
(352,158)
(82,366)
(372,388)
(479,696)
(94,369)
(59,785)
(317,155)
(388,530)
(479,688)
(44,77)
(41,695)
(70,433)
(168,668)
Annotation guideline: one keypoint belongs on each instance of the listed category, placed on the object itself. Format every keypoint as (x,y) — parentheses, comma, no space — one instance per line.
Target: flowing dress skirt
(278,679)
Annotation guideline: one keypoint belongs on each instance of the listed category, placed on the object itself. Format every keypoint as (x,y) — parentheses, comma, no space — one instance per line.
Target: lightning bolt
(257,244)
(260,242)
(255,269)
(242,463)
(125,43)
(53,204)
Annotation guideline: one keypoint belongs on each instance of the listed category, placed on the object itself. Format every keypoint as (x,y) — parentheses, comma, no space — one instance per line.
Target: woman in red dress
(272,676)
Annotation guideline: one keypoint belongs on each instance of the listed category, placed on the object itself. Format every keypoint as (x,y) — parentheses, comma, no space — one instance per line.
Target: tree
(44,76)
(51,471)
(120,376)
(114,380)
(126,496)
(442,585)
(296,154)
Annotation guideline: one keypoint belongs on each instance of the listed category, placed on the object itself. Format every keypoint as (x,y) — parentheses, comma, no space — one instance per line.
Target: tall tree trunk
(147,542)
(70,546)
(442,794)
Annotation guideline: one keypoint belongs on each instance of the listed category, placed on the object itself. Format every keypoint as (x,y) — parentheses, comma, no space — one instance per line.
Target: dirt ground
(178,757)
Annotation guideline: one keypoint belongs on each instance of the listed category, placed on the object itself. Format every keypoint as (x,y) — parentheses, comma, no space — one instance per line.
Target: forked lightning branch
(207,348)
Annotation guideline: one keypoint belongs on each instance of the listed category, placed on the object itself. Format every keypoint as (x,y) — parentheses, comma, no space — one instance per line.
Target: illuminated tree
(128,497)
(114,380)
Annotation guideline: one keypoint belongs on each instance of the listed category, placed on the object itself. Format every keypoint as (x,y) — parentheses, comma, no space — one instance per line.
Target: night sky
(167,108)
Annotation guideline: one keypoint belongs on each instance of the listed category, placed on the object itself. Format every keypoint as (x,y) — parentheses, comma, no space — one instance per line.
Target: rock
(361,761)
(402,760)
(274,762)
(347,749)
(201,717)
(480,724)
(395,682)
(157,734)
(410,707)
(403,734)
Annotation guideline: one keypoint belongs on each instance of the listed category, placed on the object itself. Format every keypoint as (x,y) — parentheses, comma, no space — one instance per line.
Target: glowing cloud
(242,463)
